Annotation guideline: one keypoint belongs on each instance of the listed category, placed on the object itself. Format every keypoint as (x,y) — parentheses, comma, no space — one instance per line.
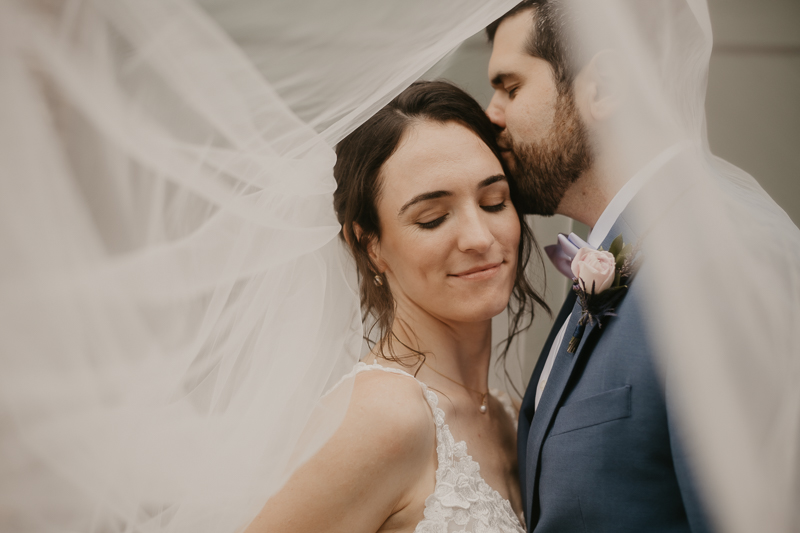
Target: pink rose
(593,266)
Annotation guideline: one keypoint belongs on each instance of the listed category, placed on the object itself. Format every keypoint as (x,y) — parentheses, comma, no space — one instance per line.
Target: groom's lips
(503,142)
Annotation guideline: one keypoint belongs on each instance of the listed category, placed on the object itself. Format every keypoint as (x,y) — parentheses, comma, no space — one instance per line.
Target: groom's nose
(496,113)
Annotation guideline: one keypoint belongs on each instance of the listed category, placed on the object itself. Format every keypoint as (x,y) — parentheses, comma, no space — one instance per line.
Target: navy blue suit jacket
(602,453)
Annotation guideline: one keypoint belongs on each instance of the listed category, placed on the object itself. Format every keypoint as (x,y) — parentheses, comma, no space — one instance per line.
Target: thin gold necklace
(484,396)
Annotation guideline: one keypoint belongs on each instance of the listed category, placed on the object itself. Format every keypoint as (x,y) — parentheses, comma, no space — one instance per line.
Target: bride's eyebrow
(422,197)
(491,179)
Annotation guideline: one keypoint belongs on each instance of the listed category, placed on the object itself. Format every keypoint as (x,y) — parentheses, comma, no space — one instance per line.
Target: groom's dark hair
(546,40)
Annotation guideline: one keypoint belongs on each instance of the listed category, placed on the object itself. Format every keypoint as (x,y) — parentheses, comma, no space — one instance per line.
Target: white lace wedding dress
(461,501)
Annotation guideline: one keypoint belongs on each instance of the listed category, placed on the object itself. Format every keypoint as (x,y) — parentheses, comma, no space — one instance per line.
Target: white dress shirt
(599,233)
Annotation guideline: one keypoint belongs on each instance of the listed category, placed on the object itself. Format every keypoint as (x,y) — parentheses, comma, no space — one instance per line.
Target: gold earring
(378,280)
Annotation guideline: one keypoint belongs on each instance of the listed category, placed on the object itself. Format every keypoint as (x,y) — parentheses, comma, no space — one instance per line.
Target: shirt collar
(621,200)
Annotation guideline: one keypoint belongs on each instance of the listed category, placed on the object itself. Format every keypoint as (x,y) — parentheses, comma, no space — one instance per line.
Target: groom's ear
(599,87)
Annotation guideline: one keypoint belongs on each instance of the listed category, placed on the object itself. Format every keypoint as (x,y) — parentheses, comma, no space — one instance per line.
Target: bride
(427,213)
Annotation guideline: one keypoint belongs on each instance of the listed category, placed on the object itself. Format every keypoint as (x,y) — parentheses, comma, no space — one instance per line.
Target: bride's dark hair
(359,159)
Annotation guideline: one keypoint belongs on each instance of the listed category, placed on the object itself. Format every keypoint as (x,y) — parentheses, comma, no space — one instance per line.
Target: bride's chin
(463,308)
(480,313)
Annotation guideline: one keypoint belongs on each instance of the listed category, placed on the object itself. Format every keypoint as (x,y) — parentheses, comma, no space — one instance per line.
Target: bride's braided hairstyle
(360,157)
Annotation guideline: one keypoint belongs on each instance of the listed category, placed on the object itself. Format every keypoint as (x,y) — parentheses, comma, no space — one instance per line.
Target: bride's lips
(479,272)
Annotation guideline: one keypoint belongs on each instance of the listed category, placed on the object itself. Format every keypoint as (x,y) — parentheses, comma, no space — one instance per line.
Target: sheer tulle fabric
(174,300)
(724,283)
(173,297)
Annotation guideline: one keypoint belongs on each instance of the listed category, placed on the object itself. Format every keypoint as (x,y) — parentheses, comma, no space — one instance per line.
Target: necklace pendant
(484,407)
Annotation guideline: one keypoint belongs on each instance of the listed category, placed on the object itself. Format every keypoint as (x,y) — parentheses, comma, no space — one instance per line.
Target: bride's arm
(365,472)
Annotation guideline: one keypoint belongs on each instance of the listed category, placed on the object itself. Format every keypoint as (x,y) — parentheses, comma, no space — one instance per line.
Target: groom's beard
(543,170)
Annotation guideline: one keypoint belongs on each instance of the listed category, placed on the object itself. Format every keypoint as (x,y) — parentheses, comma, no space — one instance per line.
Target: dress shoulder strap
(429,395)
(363,367)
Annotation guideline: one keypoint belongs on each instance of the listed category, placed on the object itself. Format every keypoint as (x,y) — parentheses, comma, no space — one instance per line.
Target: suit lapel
(528,406)
(551,397)
(556,385)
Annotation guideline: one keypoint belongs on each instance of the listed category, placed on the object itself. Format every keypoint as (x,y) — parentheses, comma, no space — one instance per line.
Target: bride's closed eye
(432,223)
(496,208)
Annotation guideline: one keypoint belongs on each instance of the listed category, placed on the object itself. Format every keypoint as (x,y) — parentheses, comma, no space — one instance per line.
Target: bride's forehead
(431,151)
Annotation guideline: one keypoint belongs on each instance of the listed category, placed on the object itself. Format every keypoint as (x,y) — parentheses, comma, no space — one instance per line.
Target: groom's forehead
(510,43)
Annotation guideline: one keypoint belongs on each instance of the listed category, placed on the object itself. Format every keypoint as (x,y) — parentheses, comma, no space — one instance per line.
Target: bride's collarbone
(468,423)
(490,439)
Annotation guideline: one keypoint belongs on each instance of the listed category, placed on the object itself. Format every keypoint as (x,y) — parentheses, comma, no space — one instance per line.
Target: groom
(598,447)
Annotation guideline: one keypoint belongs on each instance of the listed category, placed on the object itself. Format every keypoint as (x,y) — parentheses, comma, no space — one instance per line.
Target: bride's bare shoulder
(391,409)
(368,469)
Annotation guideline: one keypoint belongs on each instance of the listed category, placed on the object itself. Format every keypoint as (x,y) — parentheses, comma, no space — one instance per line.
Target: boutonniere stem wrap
(601,280)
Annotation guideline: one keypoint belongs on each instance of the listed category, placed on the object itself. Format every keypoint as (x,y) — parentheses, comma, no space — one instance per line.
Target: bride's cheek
(507,231)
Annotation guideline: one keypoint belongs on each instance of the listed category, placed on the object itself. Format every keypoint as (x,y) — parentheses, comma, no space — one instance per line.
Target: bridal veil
(174,301)
(174,297)
(724,296)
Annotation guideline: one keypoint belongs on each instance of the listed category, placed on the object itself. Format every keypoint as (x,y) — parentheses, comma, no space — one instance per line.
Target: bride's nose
(474,234)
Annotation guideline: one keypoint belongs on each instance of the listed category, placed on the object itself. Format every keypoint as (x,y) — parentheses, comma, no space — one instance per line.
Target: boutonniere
(601,280)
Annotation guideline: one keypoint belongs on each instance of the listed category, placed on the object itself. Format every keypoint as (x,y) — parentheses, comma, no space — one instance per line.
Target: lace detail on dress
(462,502)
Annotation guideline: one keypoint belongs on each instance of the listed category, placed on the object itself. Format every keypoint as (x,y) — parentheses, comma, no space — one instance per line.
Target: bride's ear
(600,87)
(372,246)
